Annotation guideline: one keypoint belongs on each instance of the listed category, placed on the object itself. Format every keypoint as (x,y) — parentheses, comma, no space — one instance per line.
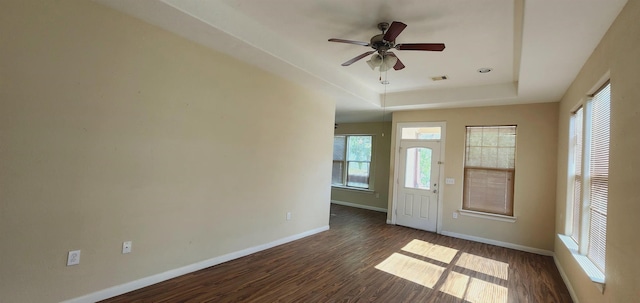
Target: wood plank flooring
(362,259)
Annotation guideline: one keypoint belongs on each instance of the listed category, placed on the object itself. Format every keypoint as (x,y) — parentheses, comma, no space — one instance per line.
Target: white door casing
(418,184)
(401,138)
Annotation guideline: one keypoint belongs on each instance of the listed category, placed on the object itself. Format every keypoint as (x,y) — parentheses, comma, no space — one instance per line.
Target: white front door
(417,192)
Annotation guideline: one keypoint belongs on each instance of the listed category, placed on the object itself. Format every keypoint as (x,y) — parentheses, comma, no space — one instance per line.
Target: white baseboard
(144,282)
(383,210)
(574,297)
(498,243)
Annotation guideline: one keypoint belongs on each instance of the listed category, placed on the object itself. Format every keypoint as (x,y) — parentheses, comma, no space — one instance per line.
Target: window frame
(576,148)
(507,216)
(345,164)
(580,244)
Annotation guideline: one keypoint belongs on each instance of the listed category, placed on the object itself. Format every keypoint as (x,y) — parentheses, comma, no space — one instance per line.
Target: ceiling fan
(382,43)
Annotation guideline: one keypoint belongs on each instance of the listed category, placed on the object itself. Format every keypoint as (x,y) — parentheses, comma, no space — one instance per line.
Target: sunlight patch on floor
(473,290)
(469,287)
(412,269)
(484,265)
(433,251)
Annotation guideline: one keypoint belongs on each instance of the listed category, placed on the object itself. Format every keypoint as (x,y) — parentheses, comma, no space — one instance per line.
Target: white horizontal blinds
(576,140)
(599,175)
(489,169)
(488,190)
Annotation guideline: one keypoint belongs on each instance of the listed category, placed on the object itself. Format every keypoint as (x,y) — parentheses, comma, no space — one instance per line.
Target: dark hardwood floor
(362,259)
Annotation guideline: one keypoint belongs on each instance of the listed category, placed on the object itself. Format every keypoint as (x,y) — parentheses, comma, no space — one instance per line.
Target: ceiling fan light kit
(382,43)
(382,63)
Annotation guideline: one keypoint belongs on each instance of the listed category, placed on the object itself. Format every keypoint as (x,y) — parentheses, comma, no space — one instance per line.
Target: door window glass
(421,133)
(418,168)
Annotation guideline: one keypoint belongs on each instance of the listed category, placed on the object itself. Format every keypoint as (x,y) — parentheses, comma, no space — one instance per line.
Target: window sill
(587,266)
(489,216)
(363,190)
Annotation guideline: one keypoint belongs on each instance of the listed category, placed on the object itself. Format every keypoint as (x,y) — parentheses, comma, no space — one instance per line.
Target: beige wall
(535,179)
(379,169)
(619,55)
(112,130)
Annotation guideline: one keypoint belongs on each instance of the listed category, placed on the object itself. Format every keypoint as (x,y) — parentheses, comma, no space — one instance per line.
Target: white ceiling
(535,47)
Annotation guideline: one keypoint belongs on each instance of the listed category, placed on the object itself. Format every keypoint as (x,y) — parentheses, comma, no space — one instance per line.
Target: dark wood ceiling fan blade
(436,47)
(349,41)
(357,58)
(394,30)
(399,65)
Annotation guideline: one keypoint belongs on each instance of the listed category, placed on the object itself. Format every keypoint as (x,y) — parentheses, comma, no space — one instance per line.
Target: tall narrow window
(351,161)
(590,144)
(576,142)
(489,169)
(599,176)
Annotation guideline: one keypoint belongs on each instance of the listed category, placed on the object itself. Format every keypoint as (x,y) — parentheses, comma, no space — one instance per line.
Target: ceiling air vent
(439,78)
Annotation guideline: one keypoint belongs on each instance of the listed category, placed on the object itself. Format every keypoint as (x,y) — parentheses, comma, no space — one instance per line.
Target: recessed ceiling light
(484,70)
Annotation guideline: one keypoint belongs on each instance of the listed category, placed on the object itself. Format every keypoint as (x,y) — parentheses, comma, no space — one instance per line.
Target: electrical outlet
(126,247)
(455,215)
(288,216)
(73,258)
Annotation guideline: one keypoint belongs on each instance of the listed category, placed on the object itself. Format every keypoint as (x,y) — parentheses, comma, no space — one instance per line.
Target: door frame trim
(396,167)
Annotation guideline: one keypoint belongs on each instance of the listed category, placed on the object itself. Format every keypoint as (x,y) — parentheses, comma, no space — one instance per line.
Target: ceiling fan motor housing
(378,43)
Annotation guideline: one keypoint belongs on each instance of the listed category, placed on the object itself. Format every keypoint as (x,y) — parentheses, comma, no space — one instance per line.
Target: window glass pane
(424,133)
(338,147)
(474,136)
(359,148)
(474,156)
(337,173)
(490,136)
(507,137)
(418,168)
(489,157)
(358,174)
(491,147)
(506,157)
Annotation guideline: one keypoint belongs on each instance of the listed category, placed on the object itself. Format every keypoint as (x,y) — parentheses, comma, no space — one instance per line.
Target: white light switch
(450,181)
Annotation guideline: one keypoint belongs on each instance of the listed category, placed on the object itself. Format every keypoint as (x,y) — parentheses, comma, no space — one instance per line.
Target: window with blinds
(599,175)
(489,169)
(352,161)
(590,127)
